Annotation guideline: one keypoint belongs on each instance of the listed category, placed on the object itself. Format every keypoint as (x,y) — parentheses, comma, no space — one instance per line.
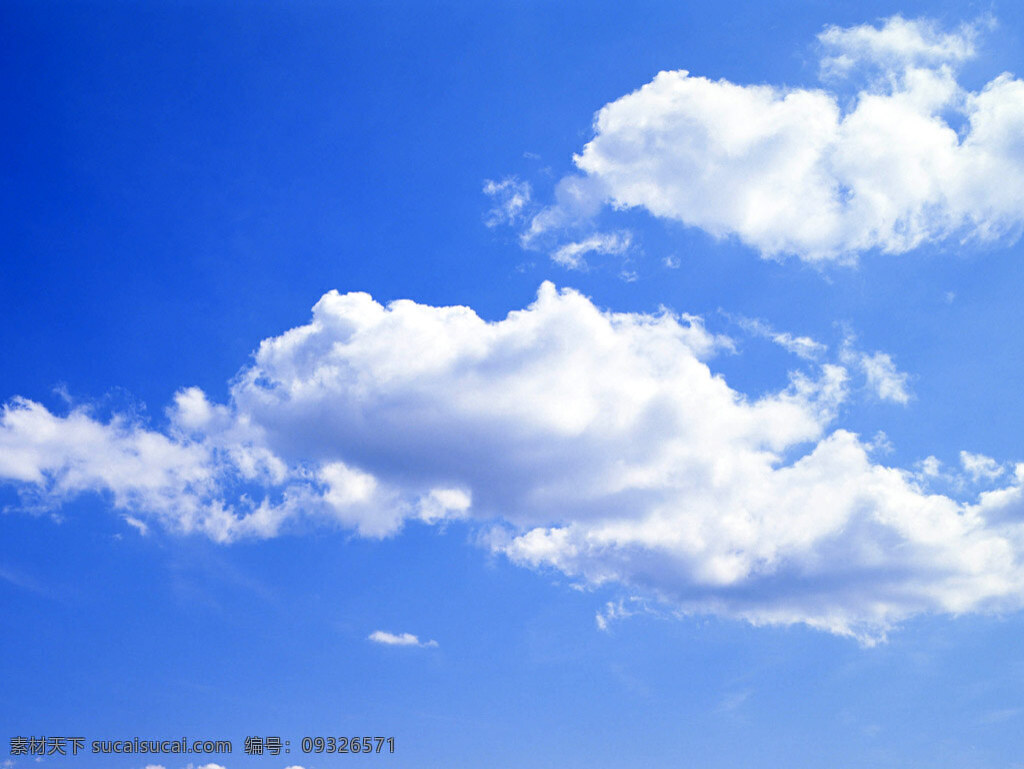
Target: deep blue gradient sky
(184,180)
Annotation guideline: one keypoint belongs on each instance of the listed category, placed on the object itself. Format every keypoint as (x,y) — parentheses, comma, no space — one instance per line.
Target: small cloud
(136,524)
(671,261)
(24,581)
(975,470)
(511,199)
(571,255)
(801,346)
(610,612)
(578,200)
(883,377)
(403,639)
(980,467)
(880,444)
(998,716)
(444,504)
(565,229)
(930,467)
(732,702)
(621,609)
(629,276)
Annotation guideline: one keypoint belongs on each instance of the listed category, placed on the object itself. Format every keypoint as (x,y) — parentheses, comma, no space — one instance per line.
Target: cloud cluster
(596,443)
(893,153)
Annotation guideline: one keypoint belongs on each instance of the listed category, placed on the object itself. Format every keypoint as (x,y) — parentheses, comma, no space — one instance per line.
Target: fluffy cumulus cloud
(595,443)
(890,153)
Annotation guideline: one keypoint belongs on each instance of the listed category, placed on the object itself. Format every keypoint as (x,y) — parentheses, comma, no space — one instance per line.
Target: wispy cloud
(565,230)
(733,701)
(23,581)
(801,346)
(572,255)
(883,377)
(511,200)
(619,610)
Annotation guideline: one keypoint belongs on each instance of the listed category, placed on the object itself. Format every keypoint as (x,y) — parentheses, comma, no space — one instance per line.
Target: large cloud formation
(891,154)
(600,444)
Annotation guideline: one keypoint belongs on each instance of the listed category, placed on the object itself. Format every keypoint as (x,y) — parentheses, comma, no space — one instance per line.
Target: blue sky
(448,373)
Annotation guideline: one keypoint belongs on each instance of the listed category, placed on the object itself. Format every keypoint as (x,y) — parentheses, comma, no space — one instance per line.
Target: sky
(535,384)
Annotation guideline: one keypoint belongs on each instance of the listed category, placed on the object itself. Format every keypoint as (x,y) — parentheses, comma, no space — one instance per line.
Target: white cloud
(979,467)
(619,610)
(814,172)
(511,199)
(577,200)
(401,639)
(888,382)
(897,44)
(884,379)
(801,346)
(881,375)
(59,457)
(596,443)
(572,255)
(931,467)
(140,526)
(565,230)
